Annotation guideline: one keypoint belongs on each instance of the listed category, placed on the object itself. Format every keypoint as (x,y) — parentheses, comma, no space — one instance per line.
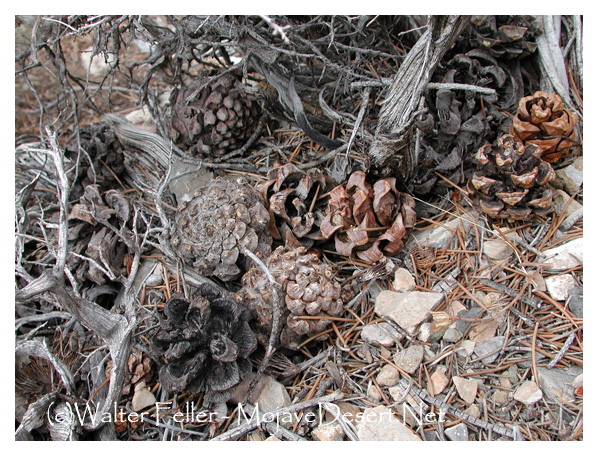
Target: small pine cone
(369,221)
(512,181)
(212,230)
(205,344)
(291,195)
(309,289)
(505,37)
(210,119)
(106,153)
(542,119)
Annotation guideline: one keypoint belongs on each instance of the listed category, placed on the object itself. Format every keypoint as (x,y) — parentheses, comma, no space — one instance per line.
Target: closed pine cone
(204,344)
(212,119)
(512,181)
(309,289)
(368,221)
(212,230)
(542,119)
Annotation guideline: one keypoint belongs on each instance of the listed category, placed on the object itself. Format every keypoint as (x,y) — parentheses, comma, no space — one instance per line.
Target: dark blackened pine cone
(505,37)
(368,221)
(204,344)
(512,180)
(292,200)
(210,119)
(311,295)
(107,159)
(212,230)
(542,119)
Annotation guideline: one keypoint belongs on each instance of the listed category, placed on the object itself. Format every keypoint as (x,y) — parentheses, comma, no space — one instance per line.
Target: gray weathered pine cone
(217,224)
(291,195)
(505,37)
(210,119)
(204,344)
(311,295)
(512,180)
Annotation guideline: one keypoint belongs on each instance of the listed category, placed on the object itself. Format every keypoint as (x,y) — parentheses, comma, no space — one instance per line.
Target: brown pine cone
(368,221)
(512,181)
(212,230)
(309,289)
(205,344)
(542,119)
(210,119)
(292,199)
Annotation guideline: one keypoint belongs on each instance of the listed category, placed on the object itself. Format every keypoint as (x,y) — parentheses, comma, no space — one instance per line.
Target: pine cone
(106,153)
(542,119)
(506,37)
(370,221)
(205,344)
(210,119)
(212,229)
(309,289)
(512,181)
(295,214)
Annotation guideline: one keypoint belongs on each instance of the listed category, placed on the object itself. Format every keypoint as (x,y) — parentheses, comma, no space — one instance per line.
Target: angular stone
(467,388)
(452,335)
(528,393)
(272,438)
(379,424)
(558,286)
(374,393)
(497,249)
(388,376)
(560,199)
(409,359)
(380,334)
(473,410)
(439,382)
(489,351)
(455,307)
(577,383)
(572,176)
(576,305)
(438,237)
(406,309)
(565,256)
(500,396)
(556,384)
(272,397)
(404,281)
(472,313)
(331,431)
(538,283)
(484,331)
(457,432)
(465,348)
(142,398)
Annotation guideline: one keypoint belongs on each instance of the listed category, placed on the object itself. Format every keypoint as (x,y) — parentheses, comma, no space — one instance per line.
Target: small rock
(500,396)
(455,307)
(273,396)
(489,351)
(504,380)
(409,359)
(100,64)
(560,199)
(565,256)
(576,302)
(472,313)
(473,410)
(374,393)
(467,388)
(404,281)
(465,348)
(457,432)
(512,374)
(572,176)
(439,382)
(497,249)
(528,393)
(427,335)
(272,438)
(438,237)
(143,119)
(388,376)
(538,283)
(558,286)
(240,393)
(407,309)
(556,384)
(380,334)
(142,398)
(452,335)
(577,383)
(379,424)
(484,331)
(331,431)
(348,410)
